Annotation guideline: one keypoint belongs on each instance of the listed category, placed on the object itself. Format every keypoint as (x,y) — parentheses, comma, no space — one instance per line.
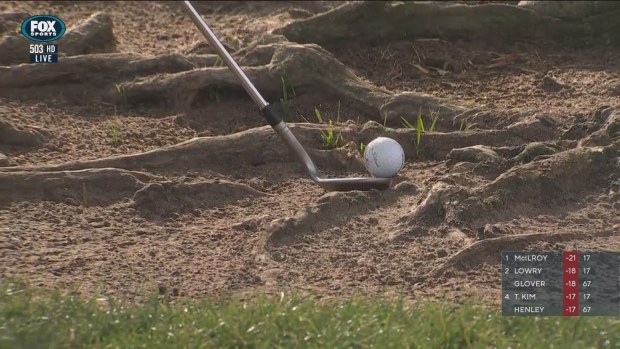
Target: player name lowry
(528,271)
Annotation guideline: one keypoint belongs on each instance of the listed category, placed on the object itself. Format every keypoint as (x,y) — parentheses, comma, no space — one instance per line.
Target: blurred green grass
(67,321)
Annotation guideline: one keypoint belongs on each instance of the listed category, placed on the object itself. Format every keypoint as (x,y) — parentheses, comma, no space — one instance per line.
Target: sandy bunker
(140,164)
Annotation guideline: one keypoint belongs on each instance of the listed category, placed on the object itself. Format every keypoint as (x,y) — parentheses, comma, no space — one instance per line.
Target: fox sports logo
(43,28)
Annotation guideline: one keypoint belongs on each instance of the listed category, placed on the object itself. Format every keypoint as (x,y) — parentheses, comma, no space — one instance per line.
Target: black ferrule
(272,114)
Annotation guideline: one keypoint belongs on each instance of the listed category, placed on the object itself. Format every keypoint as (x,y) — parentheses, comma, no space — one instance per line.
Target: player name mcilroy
(529,310)
(530,257)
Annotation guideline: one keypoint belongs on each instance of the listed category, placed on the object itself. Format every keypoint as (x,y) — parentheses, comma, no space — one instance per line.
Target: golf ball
(384,157)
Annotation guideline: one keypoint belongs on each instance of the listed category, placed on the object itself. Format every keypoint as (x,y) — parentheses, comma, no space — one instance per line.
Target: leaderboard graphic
(569,283)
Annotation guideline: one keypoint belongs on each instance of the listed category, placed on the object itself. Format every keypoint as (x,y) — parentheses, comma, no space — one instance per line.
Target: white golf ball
(384,157)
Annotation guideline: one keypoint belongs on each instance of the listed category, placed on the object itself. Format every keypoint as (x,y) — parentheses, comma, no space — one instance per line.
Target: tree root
(94,35)
(11,20)
(474,154)
(437,145)
(27,136)
(570,10)
(406,20)
(252,148)
(303,67)
(261,145)
(165,198)
(609,131)
(84,187)
(243,7)
(180,80)
(328,211)
(551,181)
(111,68)
(489,251)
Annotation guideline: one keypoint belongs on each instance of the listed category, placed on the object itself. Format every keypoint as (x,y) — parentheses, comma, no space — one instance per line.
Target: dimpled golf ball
(384,157)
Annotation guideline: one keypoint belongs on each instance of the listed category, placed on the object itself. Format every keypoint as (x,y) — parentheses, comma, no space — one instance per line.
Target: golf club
(272,115)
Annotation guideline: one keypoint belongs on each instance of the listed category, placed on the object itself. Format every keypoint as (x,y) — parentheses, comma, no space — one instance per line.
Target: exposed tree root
(407,20)
(254,146)
(20,135)
(551,181)
(84,187)
(407,102)
(250,148)
(177,80)
(260,51)
(327,212)
(94,35)
(261,145)
(4,160)
(9,21)
(165,198)
(243,7)
(570,10)
(533,151)
(303,67)
(489,250)
(555,177)
(437,145)
(609,131)
(111,68)
(475,154)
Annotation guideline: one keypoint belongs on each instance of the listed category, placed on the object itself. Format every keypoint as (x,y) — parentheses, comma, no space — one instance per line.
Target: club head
(349,184)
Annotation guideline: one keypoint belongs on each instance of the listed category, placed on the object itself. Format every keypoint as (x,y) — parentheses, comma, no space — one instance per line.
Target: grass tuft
(284,100)
(419,127)
(466,125)
(120,90)
(406,123)
(330,138)
(434,118)
(318,115)
(114,130)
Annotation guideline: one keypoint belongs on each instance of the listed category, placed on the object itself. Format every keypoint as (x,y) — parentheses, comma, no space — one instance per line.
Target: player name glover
(530,283)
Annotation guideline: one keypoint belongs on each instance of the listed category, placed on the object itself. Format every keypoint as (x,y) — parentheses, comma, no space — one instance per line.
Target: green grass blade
(420,123)
(406,123)
(318,115)
(433,123)
(338,112)
(284,93)
(419,130)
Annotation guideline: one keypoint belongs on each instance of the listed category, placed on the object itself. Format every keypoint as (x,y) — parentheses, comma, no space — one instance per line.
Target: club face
(349,184)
